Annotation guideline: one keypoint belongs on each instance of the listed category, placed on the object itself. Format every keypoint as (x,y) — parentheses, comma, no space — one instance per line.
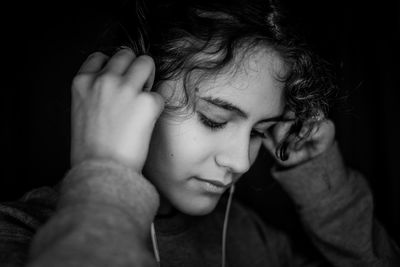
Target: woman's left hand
(300,148)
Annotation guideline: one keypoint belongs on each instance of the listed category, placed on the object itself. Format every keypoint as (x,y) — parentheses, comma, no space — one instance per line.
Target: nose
(234,154)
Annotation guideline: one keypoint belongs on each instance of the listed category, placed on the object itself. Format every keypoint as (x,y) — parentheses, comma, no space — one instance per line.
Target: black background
(46,43)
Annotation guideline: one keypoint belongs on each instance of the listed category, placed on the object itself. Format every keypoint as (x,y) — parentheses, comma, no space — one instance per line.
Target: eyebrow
(231,107)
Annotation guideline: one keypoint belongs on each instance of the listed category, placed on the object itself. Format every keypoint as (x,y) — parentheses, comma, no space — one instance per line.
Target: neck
(165,208)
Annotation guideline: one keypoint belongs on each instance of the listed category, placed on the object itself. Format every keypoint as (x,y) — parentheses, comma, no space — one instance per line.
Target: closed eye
(212,124)
(215,125)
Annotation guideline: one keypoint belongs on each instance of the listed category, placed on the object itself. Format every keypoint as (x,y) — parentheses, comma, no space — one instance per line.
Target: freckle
(172,155)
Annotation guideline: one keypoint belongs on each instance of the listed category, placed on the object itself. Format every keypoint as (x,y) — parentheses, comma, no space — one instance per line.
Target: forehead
(252,85)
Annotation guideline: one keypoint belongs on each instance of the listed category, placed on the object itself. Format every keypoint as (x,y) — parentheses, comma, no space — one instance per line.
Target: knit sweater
(102,212)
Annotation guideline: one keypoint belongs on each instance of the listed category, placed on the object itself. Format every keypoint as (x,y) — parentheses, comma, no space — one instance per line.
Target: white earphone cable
(225,227)
(155,246)
(224,231)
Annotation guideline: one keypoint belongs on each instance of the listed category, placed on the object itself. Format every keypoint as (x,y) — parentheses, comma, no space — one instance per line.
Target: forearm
(336,207)
(103,219)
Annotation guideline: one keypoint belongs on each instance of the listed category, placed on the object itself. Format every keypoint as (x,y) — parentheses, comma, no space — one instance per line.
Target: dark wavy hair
(176,32)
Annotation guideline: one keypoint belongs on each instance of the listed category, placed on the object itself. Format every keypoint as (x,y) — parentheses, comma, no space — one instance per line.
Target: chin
(198,207)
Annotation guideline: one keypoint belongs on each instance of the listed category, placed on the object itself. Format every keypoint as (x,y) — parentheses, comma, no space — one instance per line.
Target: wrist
(315,178)
(108,183)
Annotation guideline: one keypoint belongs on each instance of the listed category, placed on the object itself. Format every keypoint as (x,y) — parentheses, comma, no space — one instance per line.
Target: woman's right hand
(113,110)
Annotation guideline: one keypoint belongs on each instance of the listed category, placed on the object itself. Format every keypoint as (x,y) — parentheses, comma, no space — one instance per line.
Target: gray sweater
(102,212)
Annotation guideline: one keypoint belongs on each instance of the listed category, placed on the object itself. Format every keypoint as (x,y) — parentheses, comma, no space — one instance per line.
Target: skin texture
(114,114)
(184,148)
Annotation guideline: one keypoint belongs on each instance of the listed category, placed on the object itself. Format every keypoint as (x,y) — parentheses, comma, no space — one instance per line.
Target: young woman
(162,128)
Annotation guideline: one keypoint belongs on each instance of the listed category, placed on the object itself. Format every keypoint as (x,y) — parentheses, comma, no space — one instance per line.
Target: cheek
(179,145)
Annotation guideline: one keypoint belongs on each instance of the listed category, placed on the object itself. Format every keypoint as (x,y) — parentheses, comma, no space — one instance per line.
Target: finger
(325,134)
(279,134)
(93,63)
(281,131)
(140,75)
(296,157)
(300,143)
(276,144)
(149,82)
(313,129)
(284,136)
(306,133)
(160,100)
(120,61)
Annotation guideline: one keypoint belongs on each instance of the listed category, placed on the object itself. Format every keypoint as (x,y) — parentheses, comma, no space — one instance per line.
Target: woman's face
(193,160)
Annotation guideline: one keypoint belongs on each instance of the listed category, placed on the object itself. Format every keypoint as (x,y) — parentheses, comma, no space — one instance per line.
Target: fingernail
(303,131)
(122,47)
(281,151)
(298,144)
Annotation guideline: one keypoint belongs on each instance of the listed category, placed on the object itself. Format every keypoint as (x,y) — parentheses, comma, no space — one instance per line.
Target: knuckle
(125,50)
(159,99)
(146,61)
(80,82)
(123,54)
(97,54)
(150,101)
(146,99)
(106,80)
(80,79)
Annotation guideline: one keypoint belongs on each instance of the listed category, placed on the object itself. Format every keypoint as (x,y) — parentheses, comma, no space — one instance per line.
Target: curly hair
(176,32)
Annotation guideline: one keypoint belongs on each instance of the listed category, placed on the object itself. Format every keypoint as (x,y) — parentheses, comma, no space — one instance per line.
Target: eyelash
(213,125)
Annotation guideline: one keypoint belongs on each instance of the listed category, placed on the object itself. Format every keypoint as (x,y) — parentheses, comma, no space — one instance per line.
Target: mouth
(213,186)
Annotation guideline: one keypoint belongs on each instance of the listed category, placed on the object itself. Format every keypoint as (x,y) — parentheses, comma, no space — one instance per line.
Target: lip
(214,182)
(213,186)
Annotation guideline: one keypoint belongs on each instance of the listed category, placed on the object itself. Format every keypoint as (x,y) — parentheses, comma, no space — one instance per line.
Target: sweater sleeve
(19,220)
(336,208)
(103,218)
